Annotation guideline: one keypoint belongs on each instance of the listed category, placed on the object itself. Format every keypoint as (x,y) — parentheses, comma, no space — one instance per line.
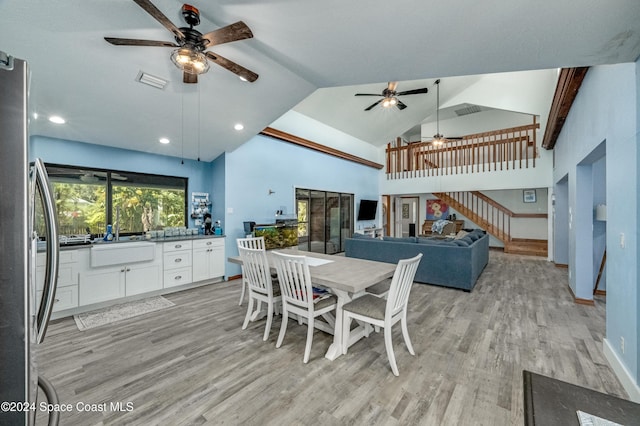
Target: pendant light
(438,139)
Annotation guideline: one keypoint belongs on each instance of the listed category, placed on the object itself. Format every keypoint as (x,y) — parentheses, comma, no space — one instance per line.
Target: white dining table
(347,277)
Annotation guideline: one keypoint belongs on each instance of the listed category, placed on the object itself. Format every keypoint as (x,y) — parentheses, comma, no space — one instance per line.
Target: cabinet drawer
(208,243)
(177,277)
(177,259)
(177,245)
(66,298)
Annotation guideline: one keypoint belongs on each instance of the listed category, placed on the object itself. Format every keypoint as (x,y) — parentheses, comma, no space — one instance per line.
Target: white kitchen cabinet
(208,259)
(177,260)
(102,284)
(68,271)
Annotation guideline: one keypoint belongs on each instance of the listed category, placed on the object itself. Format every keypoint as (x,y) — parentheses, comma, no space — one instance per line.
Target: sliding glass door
(325,219)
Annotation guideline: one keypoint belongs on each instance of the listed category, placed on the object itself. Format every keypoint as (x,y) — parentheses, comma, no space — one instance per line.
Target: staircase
(495,219)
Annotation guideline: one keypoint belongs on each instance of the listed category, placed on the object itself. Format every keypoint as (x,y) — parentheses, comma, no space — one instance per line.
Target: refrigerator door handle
(51,270)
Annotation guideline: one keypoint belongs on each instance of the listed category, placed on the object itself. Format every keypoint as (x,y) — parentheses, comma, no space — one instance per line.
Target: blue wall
(606,109)
(74,153)
(264,164)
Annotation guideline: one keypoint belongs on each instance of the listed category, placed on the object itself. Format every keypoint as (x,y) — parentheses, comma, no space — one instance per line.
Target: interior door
(408,214)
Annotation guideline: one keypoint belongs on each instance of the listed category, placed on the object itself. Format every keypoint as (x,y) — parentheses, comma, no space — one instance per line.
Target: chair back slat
(401,284)
(255,269)
(294,278)
(252,243)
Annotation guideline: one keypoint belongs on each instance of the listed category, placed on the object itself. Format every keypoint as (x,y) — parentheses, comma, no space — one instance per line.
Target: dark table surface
(551,402)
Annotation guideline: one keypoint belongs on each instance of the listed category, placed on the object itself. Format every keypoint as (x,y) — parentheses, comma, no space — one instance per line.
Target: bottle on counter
(109,235)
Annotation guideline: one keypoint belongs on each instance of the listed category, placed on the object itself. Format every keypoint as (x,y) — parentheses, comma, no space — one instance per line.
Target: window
(88,199)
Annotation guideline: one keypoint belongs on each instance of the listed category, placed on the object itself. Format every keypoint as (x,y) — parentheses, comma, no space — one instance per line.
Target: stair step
(527,247)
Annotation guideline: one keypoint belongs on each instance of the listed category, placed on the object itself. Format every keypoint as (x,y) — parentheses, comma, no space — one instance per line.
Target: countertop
(124,240)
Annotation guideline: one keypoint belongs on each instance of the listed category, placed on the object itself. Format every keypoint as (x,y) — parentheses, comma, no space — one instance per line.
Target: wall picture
(529,196)
(437,210)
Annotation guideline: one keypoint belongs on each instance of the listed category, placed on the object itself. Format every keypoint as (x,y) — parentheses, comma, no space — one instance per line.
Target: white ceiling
(299,46)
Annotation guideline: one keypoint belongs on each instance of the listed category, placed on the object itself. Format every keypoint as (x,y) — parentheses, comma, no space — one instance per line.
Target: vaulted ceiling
(306,53)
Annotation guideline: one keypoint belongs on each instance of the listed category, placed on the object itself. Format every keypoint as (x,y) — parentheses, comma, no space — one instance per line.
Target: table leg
(335,350)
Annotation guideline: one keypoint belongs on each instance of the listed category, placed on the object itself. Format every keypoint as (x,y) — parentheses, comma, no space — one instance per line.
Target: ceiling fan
(190,55)
(438,139)
(390,96)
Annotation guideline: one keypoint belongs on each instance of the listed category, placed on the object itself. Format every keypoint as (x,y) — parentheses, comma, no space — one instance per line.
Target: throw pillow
(461,243)
(461,234)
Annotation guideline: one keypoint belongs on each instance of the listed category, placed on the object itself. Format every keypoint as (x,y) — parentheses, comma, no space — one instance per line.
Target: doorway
(406,216)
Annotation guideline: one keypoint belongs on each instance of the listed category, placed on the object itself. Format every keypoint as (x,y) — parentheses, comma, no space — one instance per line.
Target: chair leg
(267,329)
(389,346)
(249,312)
(346,330)
(307,349)
(283,327)
(244,284)
(405,334)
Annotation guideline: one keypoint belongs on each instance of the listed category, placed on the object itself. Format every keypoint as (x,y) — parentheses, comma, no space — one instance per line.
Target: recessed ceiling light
(238,126)
(164,140)
(57,119)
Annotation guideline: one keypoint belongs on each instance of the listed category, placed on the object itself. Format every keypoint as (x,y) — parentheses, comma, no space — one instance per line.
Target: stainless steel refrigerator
(23,319)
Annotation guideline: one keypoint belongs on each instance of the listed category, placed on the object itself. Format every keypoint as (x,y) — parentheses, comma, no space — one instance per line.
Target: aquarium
(283,233)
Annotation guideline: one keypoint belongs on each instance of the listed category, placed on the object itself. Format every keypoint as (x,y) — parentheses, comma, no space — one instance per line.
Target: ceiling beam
(569,82)
(296,140)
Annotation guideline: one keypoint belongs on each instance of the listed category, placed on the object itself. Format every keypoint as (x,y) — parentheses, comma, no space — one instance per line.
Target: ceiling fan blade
(413,92)
(135,42)
(233,32)
(392,86)
(371,106)
(189,78)
(400,105)
(160,17)
(367,94)
(239,70)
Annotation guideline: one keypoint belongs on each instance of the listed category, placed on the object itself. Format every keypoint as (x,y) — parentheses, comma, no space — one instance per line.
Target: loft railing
(503,149)
(485,212)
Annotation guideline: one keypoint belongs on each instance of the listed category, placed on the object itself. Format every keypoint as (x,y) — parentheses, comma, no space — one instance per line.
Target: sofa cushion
(400,239)
(461,243)
(427,240)
(473,235)
(358,235)
(467,239)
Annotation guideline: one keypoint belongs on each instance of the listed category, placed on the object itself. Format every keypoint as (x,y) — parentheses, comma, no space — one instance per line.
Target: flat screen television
(367,210)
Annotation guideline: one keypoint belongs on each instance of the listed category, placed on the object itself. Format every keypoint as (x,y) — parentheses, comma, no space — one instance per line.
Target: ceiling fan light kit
(390,96)
(190,55)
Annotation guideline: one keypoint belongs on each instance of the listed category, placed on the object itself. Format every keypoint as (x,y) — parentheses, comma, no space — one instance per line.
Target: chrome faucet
(117,223)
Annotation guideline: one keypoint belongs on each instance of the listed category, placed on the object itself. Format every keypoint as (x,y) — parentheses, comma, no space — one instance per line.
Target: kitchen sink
(120,254)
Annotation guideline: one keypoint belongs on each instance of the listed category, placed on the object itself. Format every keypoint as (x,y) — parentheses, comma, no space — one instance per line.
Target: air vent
(470,109)
(151,80)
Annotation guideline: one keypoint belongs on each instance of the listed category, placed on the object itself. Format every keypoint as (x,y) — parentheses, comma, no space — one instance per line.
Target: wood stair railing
(494,218)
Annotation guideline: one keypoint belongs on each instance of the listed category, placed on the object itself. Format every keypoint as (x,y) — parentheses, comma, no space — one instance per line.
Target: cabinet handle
(122,270)
(209,243)
(178,260)
(178,246)
(128,269)
(178,277)
(56,300)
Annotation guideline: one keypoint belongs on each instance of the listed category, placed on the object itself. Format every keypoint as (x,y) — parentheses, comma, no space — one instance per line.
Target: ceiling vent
(151,80)
(469,109)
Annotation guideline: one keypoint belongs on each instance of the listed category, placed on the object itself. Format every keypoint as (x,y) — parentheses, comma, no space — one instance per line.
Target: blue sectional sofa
(450,262)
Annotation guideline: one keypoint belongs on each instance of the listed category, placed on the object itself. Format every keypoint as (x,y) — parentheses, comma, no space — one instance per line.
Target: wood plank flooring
(192,364)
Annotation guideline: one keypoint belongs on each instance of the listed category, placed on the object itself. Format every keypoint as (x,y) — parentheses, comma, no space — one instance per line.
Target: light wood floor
(192,364)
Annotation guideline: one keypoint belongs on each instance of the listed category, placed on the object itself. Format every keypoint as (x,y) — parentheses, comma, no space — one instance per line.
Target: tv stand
(370,232)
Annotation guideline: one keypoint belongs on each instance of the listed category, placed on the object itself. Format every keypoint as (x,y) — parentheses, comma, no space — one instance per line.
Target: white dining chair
(256,272)
(297,298)
(252,243)
(383,313)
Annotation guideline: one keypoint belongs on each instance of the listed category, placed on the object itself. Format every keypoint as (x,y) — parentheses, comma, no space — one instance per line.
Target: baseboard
(621,371)
(234,277)
(561,265)
(600,292)
(579,301)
